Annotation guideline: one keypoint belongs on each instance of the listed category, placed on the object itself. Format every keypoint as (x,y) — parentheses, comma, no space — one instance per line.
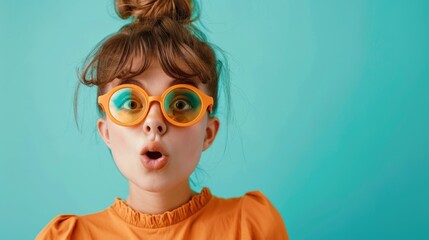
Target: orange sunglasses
(182,105)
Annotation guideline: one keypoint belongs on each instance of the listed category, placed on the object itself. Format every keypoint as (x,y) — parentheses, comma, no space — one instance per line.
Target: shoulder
(73,226)
(60,227)
(260,219)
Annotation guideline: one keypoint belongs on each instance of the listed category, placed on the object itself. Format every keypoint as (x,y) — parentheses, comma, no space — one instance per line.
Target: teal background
(329,114)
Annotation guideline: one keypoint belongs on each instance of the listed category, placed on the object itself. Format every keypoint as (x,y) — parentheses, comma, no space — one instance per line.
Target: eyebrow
(174,82)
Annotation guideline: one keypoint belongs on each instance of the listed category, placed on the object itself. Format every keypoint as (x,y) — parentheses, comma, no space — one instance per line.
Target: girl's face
(181,146)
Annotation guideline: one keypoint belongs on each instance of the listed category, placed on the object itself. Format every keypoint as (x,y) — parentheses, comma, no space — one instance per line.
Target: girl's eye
(131,104)
(181,105)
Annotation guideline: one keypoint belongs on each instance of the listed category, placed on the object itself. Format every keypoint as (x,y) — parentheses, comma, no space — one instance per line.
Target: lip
(153,147)
(153,164)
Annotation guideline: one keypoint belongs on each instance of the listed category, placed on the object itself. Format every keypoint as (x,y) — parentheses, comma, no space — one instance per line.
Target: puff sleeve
(62,227)
(260,219)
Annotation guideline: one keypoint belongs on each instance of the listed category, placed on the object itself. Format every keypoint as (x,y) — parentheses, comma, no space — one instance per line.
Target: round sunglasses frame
(206,101)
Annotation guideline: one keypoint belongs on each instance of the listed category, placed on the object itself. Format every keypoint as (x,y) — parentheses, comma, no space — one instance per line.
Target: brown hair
(161,29)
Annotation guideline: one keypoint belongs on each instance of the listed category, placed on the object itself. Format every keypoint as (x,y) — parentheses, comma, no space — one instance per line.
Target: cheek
(189,142)
(118,139)
(122,145)
(195,134)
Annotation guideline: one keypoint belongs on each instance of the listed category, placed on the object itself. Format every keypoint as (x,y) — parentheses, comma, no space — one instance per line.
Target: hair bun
(179,10)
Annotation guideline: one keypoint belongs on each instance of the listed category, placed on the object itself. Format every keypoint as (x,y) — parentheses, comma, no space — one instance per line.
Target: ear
(103,130)
(211,132)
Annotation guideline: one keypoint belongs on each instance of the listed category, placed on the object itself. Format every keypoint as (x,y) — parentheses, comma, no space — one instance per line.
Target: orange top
(205,216)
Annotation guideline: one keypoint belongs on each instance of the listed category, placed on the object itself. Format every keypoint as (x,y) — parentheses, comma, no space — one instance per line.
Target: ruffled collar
(140,219)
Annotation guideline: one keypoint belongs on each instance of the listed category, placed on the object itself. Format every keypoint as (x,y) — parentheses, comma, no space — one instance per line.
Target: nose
(154,122)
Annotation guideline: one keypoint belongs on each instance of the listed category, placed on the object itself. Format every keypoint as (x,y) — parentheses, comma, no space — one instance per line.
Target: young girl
(157,82)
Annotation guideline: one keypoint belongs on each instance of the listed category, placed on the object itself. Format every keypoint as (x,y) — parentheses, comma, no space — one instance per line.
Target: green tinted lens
(127,105)
(182,105)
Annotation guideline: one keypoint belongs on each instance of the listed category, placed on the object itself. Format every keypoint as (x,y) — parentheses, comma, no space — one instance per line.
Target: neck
(158,202)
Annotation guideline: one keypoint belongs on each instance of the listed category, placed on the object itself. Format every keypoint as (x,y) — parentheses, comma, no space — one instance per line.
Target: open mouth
(154,160)
(154,155)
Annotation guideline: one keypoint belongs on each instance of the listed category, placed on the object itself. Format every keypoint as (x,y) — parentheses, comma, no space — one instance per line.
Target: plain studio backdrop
(329,114)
